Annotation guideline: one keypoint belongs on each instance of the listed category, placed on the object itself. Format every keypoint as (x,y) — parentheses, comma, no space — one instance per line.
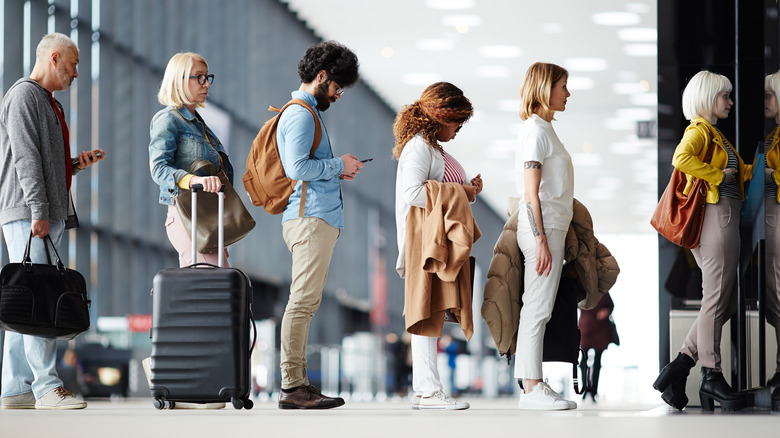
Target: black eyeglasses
(458,128)
(203,78)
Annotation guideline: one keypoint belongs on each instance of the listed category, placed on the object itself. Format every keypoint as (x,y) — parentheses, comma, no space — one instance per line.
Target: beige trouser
(182,241)
(718,257)
(772,253)
(311,241)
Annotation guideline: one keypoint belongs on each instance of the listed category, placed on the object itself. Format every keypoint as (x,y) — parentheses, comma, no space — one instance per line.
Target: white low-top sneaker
(543,398)
(59,398)
(440,400)
(21,401)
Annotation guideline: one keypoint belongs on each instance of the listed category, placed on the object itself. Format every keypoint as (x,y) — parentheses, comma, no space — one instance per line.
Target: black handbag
(46,300)
(562,334)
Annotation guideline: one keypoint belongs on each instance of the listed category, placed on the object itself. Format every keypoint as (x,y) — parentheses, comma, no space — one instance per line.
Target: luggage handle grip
(199,187)
(221,225)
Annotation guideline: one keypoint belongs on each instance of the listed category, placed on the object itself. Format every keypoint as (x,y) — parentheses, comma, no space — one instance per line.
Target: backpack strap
(314,146)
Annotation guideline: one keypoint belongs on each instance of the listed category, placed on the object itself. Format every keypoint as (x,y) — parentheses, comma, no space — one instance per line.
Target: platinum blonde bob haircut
(173,91)
(700,93)
(772,83)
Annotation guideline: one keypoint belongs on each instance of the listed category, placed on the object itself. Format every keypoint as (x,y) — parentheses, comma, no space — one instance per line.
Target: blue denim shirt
(294,137)
(178,139)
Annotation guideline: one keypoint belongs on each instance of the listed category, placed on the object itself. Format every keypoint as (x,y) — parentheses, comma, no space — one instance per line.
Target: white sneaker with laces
(543,398)
(59,398)
(21,401)
(440,400)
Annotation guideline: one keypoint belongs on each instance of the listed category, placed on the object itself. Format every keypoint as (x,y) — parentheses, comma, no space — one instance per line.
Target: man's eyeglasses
(340,91)
(203,78)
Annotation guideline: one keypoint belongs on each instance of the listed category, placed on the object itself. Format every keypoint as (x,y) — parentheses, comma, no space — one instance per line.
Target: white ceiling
(484,47)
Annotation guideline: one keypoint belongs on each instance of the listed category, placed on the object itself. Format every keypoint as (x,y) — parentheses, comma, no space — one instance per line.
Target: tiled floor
(486,419)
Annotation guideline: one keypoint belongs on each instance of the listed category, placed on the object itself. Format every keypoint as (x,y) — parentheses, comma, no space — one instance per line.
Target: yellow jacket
(773,157)
(689,156)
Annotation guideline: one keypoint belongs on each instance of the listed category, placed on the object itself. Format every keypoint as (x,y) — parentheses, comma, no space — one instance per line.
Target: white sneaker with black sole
(543,398)
(440,400)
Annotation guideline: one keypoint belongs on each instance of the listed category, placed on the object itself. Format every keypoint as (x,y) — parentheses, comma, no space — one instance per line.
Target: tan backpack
(264,179)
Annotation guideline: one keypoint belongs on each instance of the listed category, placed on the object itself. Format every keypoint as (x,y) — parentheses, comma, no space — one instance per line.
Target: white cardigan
(418,163)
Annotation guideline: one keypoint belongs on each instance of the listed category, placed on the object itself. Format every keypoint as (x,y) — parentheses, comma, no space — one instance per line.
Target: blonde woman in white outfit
(545,181)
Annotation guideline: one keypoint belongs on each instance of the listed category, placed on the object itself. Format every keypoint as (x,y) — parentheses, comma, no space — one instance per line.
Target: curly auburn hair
(340,63)
(440,103)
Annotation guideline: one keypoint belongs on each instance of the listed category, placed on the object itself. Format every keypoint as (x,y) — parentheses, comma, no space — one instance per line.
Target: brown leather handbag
(678,217)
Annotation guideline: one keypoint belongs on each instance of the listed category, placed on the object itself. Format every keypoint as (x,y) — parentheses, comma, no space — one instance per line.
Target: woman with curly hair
(545,180)
(419,130)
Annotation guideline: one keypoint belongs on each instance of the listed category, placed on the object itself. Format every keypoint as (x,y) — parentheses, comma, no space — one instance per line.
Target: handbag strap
(47,242)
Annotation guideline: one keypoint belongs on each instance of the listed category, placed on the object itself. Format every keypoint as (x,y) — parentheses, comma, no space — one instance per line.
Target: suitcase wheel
(237,402)
(248,403)
(161,403)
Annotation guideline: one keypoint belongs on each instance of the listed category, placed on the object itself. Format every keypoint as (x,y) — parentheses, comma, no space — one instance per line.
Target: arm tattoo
(534,228)
(533,165)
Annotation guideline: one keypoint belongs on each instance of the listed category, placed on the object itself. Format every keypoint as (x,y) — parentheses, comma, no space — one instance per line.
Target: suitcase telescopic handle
(220,224)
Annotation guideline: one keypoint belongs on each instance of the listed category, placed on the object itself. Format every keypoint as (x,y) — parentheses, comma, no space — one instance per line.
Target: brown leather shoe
(308,397)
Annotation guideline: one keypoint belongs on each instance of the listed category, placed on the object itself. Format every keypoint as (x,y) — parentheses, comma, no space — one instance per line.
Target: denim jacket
(178,139)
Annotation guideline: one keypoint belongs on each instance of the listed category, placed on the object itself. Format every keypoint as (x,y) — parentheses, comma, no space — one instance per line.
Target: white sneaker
(59,398)
(21,401)
(543,398)
(440,400)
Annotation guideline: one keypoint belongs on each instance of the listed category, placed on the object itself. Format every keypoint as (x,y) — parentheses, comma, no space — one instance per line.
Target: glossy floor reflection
(486,418)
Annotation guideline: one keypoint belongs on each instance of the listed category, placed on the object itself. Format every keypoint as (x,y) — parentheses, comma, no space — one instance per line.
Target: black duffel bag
(46,300)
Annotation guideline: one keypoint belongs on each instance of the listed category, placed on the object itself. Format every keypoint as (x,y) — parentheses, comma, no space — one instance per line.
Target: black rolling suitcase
(200,332)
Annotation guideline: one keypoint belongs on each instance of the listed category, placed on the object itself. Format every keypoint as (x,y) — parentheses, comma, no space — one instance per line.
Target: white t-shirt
(537,141)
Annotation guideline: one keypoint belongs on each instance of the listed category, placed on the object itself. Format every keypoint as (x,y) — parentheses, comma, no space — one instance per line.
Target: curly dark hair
(440,103)
(338,61)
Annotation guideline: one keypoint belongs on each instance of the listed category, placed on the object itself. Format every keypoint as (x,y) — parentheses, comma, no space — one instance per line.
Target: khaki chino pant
(311,241)
(718,257)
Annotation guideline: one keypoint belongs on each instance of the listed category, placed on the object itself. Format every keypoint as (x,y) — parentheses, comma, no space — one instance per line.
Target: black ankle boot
(674,371)
(776,399)
(674,394)
(715,388)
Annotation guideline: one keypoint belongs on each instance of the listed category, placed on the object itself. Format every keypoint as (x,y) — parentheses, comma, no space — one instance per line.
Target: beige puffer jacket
(586,259)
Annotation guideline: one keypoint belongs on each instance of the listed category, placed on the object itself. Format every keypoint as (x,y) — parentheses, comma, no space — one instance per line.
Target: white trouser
(538,301)
(425,373)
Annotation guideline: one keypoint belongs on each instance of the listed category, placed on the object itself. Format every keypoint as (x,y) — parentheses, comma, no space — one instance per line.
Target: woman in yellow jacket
(772,180)
(706,99)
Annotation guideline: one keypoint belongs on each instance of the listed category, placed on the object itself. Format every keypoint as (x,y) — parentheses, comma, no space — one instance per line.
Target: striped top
(729,190)
(453,171)
(770,190)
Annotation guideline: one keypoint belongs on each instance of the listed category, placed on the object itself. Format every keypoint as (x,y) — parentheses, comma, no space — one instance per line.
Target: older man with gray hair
(36,169)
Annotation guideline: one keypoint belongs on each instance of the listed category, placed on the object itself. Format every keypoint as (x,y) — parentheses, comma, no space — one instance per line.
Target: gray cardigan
(32,150)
